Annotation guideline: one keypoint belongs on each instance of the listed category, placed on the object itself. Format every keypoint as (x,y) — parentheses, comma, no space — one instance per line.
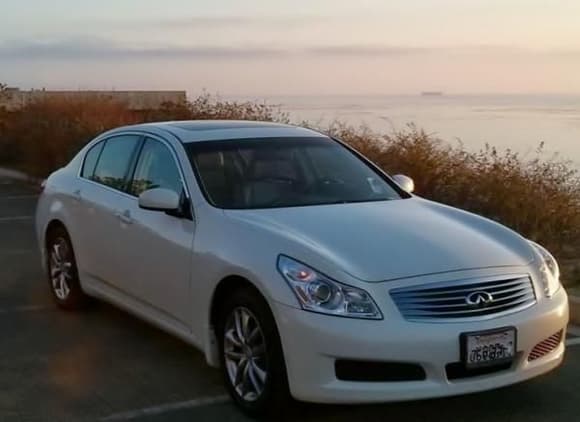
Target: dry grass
(46,133)
(539,197)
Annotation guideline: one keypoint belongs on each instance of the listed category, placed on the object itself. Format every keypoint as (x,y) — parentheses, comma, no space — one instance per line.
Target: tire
(62,271)
(262,389)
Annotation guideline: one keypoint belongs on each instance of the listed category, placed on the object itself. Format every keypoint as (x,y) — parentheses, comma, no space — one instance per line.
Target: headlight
(318,293)
(549,270)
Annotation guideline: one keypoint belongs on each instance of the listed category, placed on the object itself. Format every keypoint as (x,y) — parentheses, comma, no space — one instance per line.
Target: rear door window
(115,160)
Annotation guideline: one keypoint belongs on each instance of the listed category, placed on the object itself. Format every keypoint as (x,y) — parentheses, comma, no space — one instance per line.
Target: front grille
(449,300)
(546,346)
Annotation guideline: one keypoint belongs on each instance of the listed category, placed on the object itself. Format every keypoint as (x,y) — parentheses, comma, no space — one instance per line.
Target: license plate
(487,348)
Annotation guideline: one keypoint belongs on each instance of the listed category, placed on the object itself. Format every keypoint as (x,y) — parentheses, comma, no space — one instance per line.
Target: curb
(574,302)
(18,176)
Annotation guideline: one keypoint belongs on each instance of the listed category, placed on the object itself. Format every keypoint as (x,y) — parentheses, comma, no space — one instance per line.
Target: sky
(293,47)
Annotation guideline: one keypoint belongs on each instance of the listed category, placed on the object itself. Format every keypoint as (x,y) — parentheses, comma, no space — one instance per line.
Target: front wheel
(62,270)
(251,355)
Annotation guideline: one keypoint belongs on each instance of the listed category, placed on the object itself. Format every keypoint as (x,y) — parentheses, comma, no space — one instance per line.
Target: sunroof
(211,125)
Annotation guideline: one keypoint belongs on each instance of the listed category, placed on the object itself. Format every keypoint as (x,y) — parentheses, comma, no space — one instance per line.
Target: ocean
(518,122)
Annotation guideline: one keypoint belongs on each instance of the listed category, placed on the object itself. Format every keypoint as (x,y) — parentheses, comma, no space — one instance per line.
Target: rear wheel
(62,270)
(251,355)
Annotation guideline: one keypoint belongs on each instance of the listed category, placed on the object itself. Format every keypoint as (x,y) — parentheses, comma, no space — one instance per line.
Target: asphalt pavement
(105,365)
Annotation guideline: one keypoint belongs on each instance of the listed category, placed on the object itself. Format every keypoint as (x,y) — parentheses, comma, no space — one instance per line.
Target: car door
(101,194)
(156,247)
(77,210)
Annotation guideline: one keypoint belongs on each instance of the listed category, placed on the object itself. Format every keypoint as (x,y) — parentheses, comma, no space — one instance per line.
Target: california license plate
(487,348)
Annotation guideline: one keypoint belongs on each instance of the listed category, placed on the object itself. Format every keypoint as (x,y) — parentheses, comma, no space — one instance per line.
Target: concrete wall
(14,99)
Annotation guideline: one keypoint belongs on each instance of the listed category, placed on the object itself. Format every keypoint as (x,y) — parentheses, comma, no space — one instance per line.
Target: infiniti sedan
(297,266)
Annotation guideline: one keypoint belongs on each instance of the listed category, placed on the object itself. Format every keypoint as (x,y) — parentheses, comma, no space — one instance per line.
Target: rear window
(91,159)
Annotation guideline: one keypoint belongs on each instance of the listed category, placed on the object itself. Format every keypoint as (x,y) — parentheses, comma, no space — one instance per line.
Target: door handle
(77,195)
(125,217)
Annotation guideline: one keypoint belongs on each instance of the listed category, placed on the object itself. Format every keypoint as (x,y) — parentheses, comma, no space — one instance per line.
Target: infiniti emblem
(478,298)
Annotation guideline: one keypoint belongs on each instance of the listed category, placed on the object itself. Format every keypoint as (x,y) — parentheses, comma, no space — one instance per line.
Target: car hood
(380,241)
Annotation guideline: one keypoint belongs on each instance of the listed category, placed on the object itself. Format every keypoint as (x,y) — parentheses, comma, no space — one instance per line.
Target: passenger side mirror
(159,199)
(405,182)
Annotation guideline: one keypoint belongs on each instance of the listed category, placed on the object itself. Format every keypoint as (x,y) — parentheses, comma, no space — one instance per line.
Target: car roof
(206,130)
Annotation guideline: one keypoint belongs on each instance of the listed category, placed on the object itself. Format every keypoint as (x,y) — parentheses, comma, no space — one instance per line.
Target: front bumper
(313,342)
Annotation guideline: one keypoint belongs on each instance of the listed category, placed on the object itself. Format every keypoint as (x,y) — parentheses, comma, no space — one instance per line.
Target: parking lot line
(573,342)
(17,251)
(164,408)
(16,218)
(26,308)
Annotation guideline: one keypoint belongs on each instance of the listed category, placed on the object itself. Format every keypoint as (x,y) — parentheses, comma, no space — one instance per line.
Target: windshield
(285,172)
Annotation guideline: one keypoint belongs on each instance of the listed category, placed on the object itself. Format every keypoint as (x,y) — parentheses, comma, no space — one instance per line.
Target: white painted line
(17,251)
(13,174)
(16,218)
(19,197)
(573,342)
(164,408)
(26,308)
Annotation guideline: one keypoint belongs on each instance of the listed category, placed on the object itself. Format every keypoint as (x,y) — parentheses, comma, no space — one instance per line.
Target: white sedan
(297,266)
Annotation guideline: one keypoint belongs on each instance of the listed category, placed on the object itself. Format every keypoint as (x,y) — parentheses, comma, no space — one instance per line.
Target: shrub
(206,107)
(538,197)
(45,134)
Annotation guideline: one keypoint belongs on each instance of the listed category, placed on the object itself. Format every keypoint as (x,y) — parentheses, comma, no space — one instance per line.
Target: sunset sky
(277,47)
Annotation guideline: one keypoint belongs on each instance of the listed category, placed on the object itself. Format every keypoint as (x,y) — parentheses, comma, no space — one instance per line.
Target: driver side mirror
(159,199)
(404,182)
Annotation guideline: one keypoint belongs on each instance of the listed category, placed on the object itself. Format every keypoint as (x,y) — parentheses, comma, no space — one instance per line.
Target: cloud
(102,49)
(206,23)
(231,21)
(372,51)
(98,49)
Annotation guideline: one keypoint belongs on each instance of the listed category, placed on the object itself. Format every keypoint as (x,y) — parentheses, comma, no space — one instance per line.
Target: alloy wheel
(245,354)
(60,267)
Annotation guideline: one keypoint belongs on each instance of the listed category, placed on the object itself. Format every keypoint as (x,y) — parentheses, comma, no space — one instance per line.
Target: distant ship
(431,93)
